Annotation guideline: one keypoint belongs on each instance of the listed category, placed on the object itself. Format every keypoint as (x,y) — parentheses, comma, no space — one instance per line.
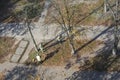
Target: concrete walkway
(15,71)
(45,11)
(26,54)
(19,51)
(38,32)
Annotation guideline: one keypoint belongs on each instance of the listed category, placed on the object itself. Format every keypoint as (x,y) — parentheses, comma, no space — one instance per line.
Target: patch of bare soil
(59,53)
(2,77)
(6,50)
(85,14)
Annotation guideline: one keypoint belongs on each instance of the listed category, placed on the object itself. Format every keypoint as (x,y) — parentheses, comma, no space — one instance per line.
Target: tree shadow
(5,11)
(94,75)
(54,43)
(46,57)
(68,65)
(109,44)
(95,10)
(21,73)
(60,34)
(104,60)
(103,32)
(14,29)
(51,54)
(99,67)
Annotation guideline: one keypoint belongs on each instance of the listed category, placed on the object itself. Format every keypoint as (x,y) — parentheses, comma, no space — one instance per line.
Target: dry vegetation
(84,14)
(2,76)
(5,47)
(103,62)
(59,53)
(16,10)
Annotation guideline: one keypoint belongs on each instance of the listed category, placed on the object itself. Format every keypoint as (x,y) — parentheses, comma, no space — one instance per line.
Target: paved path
(38,32)
(22,72)
(84,1)
(19,51)
(44,13)
(26,54)
(53,73)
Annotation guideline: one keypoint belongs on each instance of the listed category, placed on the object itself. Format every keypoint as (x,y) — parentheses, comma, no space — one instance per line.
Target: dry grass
(59,54)
(60,57)
(82,15)
(17,10)
(2,76)
(5,47)
(105,62)
(90,48)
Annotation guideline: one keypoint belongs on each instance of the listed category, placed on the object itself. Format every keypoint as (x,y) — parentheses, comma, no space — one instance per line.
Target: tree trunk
(105,6)
(72,48)
(29,29)
(70,37)
(115,49)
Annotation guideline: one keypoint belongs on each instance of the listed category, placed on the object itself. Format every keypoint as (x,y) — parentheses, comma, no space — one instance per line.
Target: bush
(33,1)
(32,11)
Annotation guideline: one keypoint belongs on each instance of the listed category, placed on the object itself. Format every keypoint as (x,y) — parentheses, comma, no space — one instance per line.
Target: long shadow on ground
(104,66)
(21,73)
(5,6)
(96,37)
(51,54)
(94,75)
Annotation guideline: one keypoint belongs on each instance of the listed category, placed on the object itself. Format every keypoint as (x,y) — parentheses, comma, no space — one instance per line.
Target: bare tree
(26,15)
(115,49)
(105,6)
(115,16)
(28,12)
(32,37)
(66,15)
